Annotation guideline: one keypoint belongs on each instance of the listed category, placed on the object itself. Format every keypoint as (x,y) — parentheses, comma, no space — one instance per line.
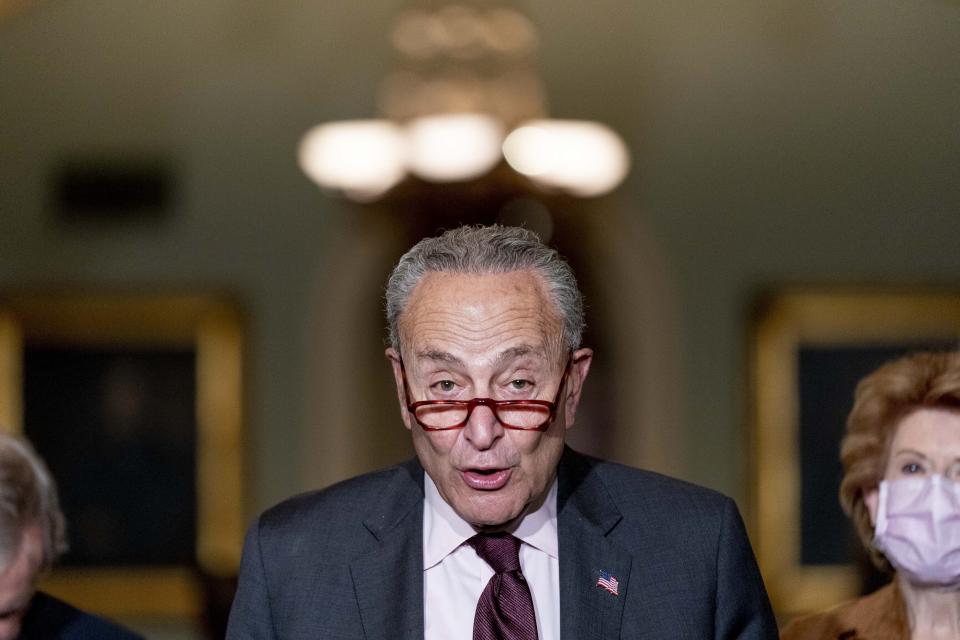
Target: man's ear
(395,363)
(871,497)
(579,367)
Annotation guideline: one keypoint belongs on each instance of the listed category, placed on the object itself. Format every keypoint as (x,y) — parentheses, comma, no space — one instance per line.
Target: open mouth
(486,479)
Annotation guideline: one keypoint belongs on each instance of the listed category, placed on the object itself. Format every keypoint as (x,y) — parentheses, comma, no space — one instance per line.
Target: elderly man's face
(18,582)
(495,336)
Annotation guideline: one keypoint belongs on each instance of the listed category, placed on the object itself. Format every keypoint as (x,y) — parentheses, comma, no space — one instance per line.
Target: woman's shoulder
(877,616)
(819,626)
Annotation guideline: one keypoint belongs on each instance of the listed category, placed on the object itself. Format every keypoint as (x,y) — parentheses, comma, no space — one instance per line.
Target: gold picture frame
(787,323)
(211,329)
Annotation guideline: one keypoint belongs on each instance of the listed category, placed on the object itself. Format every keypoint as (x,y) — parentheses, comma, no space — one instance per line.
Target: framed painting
(809,350)
(135,403)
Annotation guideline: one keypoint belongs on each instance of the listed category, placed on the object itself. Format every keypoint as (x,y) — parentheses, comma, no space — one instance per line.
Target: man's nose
(482,429)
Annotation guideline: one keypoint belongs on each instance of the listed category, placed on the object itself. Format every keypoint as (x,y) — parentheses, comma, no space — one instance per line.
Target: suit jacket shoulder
(667,514)
(679,552)
(51,619)
(342,508)
(638,491)
(880,615)
(342,562)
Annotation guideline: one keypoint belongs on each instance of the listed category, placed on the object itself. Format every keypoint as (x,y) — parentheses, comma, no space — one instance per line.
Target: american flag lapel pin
(608,582)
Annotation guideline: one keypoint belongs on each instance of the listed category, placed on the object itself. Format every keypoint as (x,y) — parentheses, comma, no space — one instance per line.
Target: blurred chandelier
(463,97)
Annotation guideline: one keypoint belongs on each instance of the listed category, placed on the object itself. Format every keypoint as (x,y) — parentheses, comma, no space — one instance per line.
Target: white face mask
(918,529)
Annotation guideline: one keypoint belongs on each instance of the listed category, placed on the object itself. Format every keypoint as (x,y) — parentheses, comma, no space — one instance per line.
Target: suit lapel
(585,515)
(388,580)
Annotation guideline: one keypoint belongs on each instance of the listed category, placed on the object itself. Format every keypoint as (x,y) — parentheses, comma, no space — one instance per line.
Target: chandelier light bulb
(583,158)
(453,147)
(361,158)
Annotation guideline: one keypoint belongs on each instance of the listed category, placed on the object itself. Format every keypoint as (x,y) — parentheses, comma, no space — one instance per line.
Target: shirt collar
(444,530)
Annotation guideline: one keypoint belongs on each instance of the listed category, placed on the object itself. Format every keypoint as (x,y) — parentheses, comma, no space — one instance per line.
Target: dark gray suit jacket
(50,619)
(347,561)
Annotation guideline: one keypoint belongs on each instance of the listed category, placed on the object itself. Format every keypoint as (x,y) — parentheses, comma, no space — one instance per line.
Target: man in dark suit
(497,529)
(31,537)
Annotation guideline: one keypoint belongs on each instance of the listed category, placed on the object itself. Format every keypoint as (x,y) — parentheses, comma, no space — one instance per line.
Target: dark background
(117,428)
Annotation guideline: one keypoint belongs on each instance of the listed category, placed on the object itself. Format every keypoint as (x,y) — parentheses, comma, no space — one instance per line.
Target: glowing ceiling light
(580,157)
(362,158)
(464,75)
(453,147)
(528,148)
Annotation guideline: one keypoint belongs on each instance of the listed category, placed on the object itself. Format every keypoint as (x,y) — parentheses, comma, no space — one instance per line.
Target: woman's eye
(911,467)
(520,385)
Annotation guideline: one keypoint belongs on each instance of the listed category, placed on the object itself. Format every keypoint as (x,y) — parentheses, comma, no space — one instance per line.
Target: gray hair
(485,250)
(28,495)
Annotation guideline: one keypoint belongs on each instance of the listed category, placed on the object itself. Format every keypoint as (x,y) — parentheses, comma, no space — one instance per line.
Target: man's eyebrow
(439,356)
(519,351)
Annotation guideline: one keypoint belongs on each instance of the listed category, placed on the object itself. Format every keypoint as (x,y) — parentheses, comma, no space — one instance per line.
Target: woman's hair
(881,401)
(28,495)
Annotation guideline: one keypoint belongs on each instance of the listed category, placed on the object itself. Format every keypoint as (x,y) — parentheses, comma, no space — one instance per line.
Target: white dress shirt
(454,575)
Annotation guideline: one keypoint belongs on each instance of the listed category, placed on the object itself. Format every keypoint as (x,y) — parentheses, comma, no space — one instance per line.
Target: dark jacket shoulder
(639,491)
(343,513)
(362,489)
(670,516)
(51,619)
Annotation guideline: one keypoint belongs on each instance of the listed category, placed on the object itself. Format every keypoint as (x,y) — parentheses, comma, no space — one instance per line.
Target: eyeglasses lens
(519,416)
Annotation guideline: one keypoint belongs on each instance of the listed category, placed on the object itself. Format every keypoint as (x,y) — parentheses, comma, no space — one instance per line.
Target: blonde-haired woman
(901,462)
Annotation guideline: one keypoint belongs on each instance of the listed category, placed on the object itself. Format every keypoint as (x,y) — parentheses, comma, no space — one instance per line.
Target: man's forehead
(504,356)
(505,315)
(494,293)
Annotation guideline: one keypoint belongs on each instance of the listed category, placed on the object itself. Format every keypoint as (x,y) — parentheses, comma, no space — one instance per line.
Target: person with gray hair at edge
(32,537)
(497,530)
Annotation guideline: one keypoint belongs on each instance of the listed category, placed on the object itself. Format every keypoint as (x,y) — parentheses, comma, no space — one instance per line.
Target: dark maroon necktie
(505,608)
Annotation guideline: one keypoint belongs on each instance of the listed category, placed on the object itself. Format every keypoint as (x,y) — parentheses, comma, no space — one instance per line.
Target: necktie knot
(505,609)
(500,550)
